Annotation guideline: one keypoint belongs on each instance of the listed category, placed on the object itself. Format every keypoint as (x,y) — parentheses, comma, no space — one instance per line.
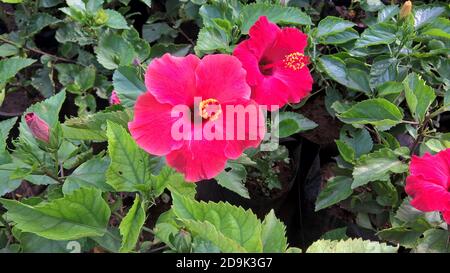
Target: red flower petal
(247,128)
(298,83)
(262,36)
(271,92)
(171,79)
(249,62)
(435,168)
(221,77)
(152,124)
(446,215)
(427,196)
(289,40)
(198,159)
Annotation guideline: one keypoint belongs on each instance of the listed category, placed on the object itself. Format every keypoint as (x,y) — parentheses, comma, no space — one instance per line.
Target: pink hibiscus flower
(38,127)
(276,66)
(429,183)
(209,87)
(114,99)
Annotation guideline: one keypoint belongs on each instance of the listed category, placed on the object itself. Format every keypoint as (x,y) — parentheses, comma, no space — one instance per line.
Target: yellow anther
(295,61)
(210,109)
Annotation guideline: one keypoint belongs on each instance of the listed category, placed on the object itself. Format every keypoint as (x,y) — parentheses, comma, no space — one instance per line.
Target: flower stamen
(210,109)
(295,61)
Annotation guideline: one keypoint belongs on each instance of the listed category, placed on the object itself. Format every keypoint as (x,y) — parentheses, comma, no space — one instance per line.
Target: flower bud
(114,99)
(39,128)
(101,17)
(406,9)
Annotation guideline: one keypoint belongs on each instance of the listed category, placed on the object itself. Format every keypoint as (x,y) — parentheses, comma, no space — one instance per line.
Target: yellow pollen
(295,61)
(210,109)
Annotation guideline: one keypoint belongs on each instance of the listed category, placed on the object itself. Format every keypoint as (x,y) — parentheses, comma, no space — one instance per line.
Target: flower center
(295,61)
(209,109)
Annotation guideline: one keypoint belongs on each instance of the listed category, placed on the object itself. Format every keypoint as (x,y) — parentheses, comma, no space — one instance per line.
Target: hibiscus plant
(111,111)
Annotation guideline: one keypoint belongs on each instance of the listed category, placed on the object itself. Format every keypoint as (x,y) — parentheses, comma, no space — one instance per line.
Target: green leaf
(233,178)
(337,189)
(10,67)
(275,13)
(43,82)
(332,25)
(230,228)
(114,51)
(273,234)
(129,164)
(128,85)
(358,139)
(377,166)
(350,246)
(116,20)
(131,225)
(31,243)
(346,151)
(340,38)
(89,174)
(371,5)
(92,126)
(6,183)
(81,214)
(5,127)
(381,33)
(335,234)
(38,21)
(383,70)
(12,1)
(48,109)
(7,50)
(336,68)
(426,14)
(153,32)
(387,13)
(212,39)
(434,241)
(419,96)
(291,123)
(401,235)
(378,112)
(177,183)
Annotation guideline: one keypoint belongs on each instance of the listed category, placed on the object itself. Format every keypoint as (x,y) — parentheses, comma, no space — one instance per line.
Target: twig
(8,229)
(35,50)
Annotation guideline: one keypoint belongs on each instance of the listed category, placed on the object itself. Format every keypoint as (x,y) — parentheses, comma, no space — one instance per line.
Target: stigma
(295,61)
(210,109)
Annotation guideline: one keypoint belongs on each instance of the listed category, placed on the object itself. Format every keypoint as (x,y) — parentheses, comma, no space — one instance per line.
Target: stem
(8,229)
(149,230)
(38,51)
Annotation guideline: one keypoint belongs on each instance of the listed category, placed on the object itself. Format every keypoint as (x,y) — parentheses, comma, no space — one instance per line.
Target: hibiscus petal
(171,79)
(434,168)
(152,124)
(244,125)
(446,215)
(271,92)
(249,62)
(427,196)
(221,77)
(299,83)
(288,40)
(262,35)
(198,159)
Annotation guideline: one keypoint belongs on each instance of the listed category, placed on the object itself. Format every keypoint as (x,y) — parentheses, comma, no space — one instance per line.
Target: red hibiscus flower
(276,66)
(429,183)
(209,87)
